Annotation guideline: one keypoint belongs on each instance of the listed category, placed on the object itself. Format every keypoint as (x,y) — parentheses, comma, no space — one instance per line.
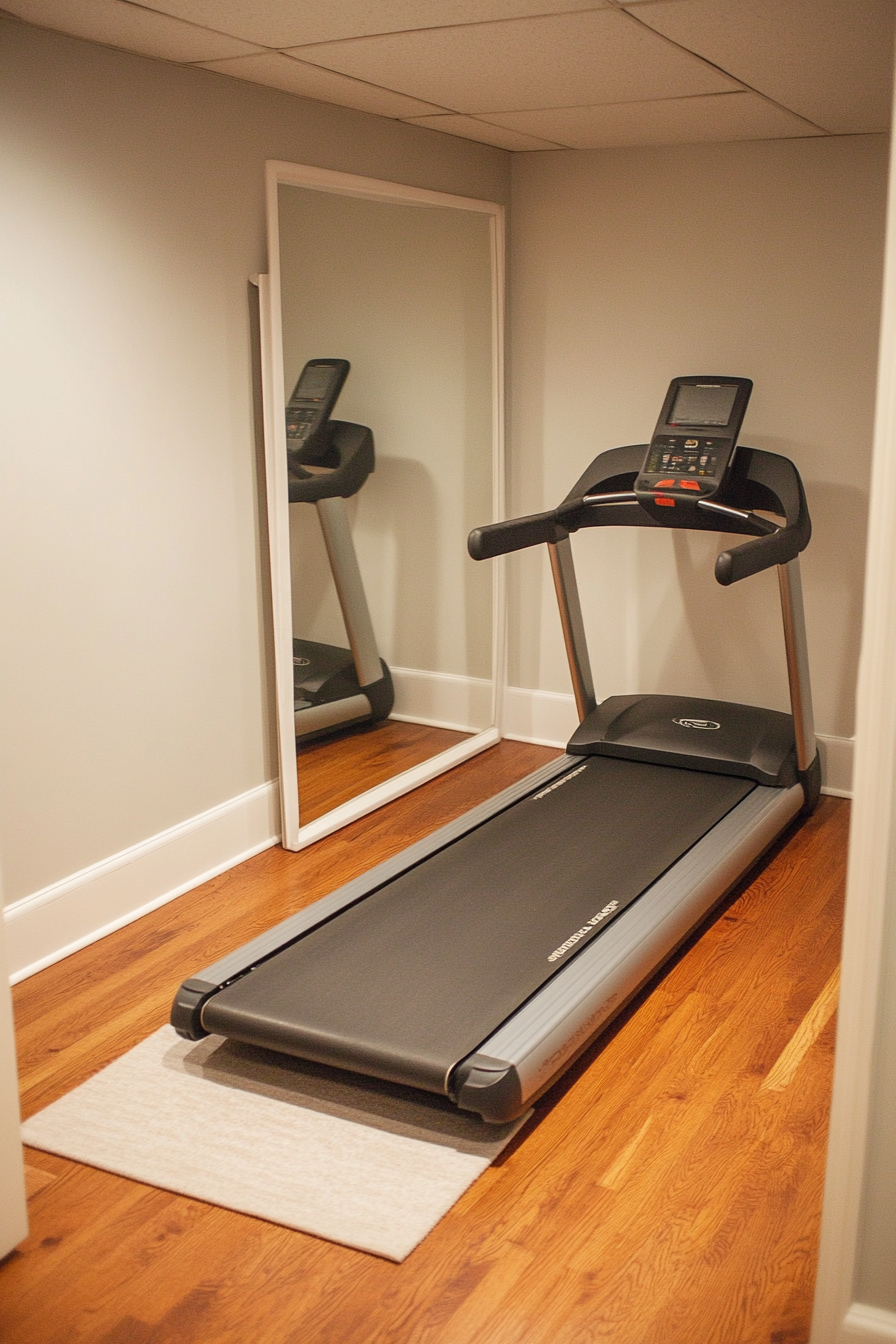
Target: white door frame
(871,878)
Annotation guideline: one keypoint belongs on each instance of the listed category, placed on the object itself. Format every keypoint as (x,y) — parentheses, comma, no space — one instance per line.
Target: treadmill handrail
(516,534)
(603,497)
(345,465)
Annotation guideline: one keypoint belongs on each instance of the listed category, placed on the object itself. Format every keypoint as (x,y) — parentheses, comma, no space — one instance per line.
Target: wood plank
(781,1073)
(612,1177)
(35,1180)
(336,769)
(663,1194)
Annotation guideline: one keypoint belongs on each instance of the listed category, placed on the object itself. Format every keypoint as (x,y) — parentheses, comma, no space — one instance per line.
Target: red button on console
(689,485)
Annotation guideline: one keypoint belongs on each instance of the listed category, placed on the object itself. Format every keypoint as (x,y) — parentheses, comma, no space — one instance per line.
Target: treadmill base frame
(526,1053)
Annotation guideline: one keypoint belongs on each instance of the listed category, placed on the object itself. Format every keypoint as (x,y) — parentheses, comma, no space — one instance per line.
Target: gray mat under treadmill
(368,1164)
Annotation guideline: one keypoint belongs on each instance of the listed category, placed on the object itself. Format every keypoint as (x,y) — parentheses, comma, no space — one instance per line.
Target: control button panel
(299,421)
(694,455)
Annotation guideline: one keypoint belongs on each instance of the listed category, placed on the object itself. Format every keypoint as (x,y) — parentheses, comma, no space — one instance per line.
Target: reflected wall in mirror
(405,285)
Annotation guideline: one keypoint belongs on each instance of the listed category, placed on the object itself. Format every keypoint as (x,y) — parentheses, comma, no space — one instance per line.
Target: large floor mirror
(383,303)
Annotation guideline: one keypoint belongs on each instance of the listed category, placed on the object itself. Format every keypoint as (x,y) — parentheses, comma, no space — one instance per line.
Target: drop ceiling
(534,74)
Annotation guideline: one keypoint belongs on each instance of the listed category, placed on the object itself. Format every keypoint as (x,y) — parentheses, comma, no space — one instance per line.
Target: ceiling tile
(310,81)
(829,61)
(129,26)
(289,23)
(595,56)
(472,129)
(667,121)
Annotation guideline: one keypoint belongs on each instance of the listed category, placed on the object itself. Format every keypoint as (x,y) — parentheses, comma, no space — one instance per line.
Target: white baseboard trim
(68,915)
(836,764)
(442,699)
(549,719)
(867,1325)
(546,718)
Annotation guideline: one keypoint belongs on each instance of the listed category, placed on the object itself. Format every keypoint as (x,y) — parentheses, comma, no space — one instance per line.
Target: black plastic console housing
(339,470)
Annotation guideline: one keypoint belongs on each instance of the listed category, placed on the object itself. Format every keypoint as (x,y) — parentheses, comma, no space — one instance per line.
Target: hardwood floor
(336,769)
(668,1190)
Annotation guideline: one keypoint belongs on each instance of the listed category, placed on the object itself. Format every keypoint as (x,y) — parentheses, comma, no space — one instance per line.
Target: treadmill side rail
(534,1046)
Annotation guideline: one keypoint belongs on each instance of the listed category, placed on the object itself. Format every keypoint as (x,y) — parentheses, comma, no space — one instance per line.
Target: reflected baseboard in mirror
(334,770)
(405,285)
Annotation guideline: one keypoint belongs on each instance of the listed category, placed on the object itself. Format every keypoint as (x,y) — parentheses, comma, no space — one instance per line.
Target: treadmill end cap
(186,1010)
(490,1086)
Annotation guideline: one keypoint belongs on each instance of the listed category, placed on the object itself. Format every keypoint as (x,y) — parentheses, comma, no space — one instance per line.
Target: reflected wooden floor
(668,1190)
(338,768)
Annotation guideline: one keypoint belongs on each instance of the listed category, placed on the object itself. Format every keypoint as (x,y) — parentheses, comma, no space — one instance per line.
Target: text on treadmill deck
(586,928)
(558,783)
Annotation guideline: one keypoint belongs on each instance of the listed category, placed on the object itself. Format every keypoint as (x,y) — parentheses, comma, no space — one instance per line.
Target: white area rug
(365,1163)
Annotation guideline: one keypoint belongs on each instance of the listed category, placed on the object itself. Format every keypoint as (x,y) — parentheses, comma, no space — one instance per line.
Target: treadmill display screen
(703,404)
(314,382)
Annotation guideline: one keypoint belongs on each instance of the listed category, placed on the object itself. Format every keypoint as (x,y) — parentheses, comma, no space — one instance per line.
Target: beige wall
(134,691)
(629,267)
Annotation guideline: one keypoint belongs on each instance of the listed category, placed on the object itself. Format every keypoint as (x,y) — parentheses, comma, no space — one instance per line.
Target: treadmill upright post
(567,590)
(349,588)
(796,648)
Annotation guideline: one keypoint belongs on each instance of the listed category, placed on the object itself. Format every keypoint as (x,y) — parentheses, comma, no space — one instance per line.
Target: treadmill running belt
(414,977)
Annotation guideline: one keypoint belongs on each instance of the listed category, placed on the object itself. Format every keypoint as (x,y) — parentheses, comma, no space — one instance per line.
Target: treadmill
(481,961)
(328,461)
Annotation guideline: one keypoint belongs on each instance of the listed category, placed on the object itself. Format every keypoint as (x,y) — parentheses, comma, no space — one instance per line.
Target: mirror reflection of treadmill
(329,461)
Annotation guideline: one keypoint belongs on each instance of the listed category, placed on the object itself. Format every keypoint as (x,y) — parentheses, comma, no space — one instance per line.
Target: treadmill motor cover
(407,982)
(696,734)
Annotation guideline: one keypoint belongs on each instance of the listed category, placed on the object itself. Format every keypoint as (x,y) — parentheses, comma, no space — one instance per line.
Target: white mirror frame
(295,836)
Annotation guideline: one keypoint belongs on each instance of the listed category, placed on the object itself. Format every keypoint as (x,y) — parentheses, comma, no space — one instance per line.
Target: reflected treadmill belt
(410,980)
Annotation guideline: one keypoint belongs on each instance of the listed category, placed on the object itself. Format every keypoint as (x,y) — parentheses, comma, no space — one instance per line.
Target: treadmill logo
(708,725)
(301,662)
(558,783)
(585,929)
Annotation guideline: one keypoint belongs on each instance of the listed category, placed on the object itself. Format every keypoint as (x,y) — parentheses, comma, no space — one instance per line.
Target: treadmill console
(693,443)
(311,404)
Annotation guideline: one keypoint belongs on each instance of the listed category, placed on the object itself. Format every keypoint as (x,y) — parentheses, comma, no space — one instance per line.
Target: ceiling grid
(534,74)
